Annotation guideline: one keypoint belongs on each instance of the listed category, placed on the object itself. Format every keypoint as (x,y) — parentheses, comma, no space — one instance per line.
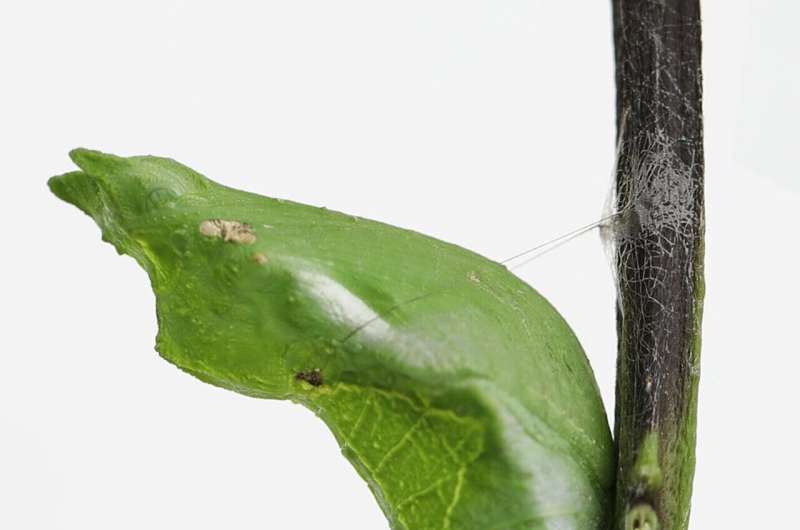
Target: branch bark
(658,241)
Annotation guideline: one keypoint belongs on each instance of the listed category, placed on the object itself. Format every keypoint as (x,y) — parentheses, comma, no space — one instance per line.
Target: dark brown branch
(658,239)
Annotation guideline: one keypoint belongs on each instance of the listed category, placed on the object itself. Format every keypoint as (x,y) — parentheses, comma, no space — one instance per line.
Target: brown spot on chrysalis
(312,377)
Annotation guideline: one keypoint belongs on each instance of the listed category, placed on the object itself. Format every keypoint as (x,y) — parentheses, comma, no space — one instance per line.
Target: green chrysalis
(455,389)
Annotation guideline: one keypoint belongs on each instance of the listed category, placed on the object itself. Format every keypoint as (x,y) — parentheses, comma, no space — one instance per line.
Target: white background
(484,123)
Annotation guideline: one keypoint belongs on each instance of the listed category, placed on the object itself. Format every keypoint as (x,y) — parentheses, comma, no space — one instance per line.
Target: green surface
(454,388)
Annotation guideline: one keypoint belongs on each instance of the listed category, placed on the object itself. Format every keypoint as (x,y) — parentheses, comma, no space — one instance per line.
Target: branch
(658,241)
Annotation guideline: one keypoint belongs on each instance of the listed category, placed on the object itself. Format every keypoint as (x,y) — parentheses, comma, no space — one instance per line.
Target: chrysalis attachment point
(515,261)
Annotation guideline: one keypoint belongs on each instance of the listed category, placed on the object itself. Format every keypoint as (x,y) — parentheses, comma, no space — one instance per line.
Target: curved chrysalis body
(456,390)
